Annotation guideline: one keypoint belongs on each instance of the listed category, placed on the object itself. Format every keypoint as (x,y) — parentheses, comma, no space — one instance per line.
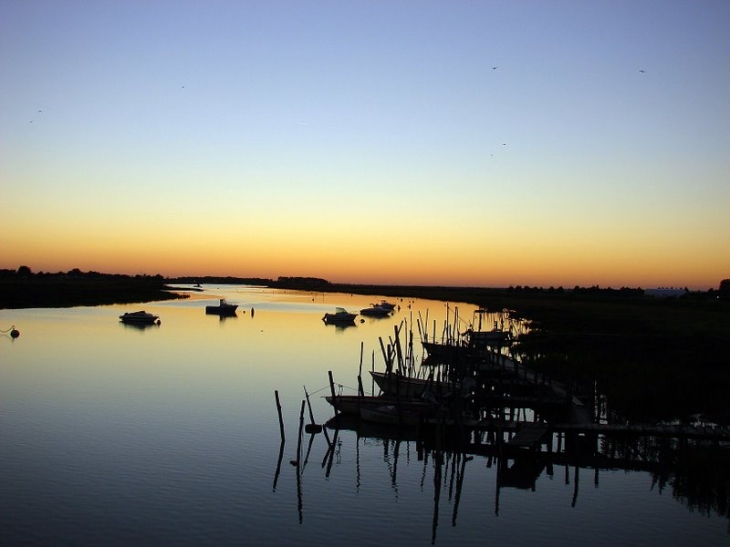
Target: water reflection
(697,472)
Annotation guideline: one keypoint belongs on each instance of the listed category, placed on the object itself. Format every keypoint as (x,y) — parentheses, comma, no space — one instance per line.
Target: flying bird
(495,67)
(642,71)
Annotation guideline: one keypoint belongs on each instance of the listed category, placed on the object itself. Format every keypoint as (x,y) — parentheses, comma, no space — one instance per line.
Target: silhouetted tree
(725,289)
(24,271)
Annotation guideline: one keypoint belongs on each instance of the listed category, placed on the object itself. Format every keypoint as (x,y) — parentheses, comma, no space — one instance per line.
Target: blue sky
(317,138)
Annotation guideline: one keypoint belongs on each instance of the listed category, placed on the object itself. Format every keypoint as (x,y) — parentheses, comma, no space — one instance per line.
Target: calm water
(169,435)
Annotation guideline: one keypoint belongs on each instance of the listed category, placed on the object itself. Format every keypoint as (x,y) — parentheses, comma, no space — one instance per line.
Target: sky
(466,143)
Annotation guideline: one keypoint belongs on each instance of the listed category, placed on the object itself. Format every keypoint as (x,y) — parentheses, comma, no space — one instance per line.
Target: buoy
(14,333)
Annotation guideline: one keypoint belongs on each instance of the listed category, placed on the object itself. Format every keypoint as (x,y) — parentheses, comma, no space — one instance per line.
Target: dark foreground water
(169,435)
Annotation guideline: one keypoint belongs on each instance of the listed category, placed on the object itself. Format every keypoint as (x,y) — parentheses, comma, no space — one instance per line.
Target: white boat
(341,316)
(140,318)
(223,308)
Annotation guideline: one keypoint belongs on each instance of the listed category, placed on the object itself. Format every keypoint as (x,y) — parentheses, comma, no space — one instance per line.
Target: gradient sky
(412,142)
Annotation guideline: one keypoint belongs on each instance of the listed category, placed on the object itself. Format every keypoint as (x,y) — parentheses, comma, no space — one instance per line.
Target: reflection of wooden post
(332,391)
(299,442)
(281,420)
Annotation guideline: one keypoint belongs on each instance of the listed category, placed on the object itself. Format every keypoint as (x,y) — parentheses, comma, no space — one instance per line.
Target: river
(169,435)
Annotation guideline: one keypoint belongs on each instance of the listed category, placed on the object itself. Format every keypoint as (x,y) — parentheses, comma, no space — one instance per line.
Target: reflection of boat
(408,414)
(341,316)
(376,310)
(351,404)
(223,308)
(139,318)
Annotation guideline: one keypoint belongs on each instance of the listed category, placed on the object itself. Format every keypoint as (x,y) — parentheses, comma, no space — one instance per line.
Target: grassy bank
(46,291)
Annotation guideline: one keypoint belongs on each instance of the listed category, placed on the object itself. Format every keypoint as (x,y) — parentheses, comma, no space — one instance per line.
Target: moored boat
(140,318)
(223,308)
(376,310)
(341,316)
(395,384)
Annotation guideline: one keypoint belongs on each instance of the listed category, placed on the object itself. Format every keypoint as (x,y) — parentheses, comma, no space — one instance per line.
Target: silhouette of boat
(139,318)
(223,308)
(376,310)
(341,316)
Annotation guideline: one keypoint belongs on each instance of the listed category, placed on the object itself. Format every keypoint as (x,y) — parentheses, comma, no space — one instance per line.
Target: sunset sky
(481,143)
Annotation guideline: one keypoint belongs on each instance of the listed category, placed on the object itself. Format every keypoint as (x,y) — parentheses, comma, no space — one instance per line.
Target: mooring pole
(281,419)
(309,405)
(360,390)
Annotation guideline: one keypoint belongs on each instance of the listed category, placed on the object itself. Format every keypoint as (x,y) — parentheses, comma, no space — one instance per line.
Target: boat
(395,384)
(489,338)
(140,318)
(223,308)
(376,310)
(446,353)
(387,305)
(341,316)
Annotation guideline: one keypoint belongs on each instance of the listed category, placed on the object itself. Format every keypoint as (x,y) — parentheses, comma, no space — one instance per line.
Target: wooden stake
(281,419)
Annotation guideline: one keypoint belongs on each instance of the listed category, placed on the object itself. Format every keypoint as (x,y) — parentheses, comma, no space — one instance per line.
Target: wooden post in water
(309,405)
(360,390)
(281,420)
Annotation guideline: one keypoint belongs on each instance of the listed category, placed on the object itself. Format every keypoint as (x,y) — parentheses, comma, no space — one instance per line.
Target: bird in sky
(642,71)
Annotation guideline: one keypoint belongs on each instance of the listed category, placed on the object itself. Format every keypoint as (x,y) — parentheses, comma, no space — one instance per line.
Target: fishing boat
(394,384)
(140,318)
(387,305)
(482,339)
(376,310)
(340,317)
(223,308)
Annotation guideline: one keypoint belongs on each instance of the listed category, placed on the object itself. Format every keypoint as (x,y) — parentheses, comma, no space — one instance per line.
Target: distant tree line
(22,288)
(26,272)
(307,283)
(595,290)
